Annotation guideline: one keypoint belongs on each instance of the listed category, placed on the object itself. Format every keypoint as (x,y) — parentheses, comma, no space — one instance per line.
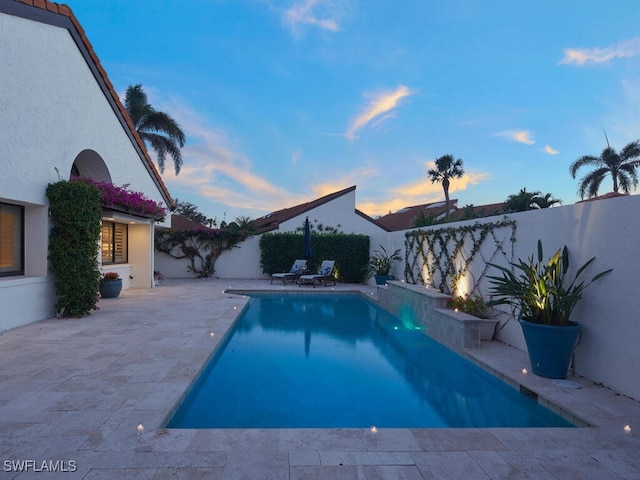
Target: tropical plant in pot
(543,296)
(110,285)
(380,264)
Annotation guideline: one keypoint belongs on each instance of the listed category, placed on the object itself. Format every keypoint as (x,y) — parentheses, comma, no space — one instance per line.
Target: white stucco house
(336,210)
(60,117)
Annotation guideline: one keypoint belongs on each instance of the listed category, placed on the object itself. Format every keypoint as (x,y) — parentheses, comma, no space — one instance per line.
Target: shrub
(475,306)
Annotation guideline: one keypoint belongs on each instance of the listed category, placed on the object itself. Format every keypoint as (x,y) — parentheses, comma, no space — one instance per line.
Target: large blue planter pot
(382,279)
(550,347)
(110,288)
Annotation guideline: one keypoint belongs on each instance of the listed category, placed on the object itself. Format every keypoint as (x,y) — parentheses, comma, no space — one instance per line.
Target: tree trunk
(445,187)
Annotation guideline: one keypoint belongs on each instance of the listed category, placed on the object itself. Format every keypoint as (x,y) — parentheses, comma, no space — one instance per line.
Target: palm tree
(446,168)
(621,166)
(546,201)
(157,129)
(520,202)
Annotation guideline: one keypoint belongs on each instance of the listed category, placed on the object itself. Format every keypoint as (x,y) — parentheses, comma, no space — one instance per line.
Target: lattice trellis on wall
(454,260)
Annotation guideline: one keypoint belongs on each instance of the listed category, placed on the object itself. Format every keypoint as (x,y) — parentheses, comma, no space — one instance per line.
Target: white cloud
(323,14)
(550,150)
(380,108)
(213,168)
(419,192)
(586,56)
(521,136)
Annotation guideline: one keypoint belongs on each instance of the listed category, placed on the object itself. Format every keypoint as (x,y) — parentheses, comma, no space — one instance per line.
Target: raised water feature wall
(427,308)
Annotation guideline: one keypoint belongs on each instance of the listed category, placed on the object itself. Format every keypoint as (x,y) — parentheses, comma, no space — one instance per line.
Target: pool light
(212,334)
(524,371)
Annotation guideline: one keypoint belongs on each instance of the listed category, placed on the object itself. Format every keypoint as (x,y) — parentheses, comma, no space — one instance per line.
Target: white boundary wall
(609,312)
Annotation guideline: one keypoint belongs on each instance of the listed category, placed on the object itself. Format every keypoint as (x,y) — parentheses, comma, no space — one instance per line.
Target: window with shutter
(114,242)
(11,239)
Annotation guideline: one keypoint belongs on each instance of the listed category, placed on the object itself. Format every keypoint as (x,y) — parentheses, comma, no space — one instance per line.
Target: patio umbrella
(307,240)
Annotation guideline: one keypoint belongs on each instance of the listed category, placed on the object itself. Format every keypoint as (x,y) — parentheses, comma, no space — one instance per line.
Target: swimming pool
(323,361)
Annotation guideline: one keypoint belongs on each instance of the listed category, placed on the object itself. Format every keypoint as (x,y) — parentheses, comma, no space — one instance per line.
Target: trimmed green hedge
(278,251)
(75,212)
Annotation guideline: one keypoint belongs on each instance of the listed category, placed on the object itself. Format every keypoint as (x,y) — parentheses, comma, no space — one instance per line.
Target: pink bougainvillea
(120,197)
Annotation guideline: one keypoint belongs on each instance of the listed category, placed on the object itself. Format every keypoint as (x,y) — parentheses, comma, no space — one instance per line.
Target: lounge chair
(292,275)
(324,275)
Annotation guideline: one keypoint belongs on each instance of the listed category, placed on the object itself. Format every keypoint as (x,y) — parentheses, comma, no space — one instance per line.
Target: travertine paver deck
(73,391)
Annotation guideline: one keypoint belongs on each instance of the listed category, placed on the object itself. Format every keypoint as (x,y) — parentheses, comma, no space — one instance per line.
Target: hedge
(278,251)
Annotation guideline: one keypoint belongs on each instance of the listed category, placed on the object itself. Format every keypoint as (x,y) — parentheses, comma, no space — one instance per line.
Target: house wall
(610,231)
(52,109)
(338,213)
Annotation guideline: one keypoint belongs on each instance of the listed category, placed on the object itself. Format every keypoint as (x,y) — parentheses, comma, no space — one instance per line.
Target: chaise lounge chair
(324,275)
(292,275)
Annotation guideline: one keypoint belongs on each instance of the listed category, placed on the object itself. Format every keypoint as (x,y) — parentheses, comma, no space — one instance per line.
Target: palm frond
(584,161)
(162,122)
(158,129)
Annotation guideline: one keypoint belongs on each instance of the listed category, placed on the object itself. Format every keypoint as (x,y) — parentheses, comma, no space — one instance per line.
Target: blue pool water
(340,362)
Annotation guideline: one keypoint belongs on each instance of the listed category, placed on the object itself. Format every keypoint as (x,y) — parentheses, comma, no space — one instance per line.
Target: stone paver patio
(73,391)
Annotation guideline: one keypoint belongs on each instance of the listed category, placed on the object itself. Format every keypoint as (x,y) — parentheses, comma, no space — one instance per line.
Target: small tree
(190,211)
(200,247)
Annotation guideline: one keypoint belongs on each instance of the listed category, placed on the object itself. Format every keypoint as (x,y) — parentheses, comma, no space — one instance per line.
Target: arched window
(90,164)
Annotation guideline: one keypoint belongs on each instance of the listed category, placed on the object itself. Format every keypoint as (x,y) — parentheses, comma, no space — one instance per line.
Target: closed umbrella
(307,240)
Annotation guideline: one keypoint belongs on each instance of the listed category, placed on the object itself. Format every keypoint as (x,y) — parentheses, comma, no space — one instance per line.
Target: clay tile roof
(478,211)
(404,218)
(604,197)
(78,33)
(273,220)
(178,222)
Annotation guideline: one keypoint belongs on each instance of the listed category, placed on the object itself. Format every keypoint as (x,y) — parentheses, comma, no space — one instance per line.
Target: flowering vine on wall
(440,258)
(121,198)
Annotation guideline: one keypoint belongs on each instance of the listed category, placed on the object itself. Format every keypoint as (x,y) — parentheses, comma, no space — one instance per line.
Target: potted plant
(110,285)
(541,293)
(380,265)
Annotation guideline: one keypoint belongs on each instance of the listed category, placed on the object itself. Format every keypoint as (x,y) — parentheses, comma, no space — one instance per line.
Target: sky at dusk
(286,101)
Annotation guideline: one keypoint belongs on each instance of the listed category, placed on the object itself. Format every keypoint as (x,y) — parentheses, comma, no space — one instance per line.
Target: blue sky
(286,101)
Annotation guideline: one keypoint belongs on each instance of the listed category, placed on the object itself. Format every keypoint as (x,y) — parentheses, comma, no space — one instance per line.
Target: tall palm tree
(446,168)
(156,128)
(621,166)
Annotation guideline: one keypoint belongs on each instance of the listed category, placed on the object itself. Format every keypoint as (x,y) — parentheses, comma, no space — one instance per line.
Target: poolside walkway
(73,391)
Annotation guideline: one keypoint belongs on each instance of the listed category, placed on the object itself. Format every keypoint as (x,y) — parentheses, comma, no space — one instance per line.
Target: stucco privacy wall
(51,109)
(609,230)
